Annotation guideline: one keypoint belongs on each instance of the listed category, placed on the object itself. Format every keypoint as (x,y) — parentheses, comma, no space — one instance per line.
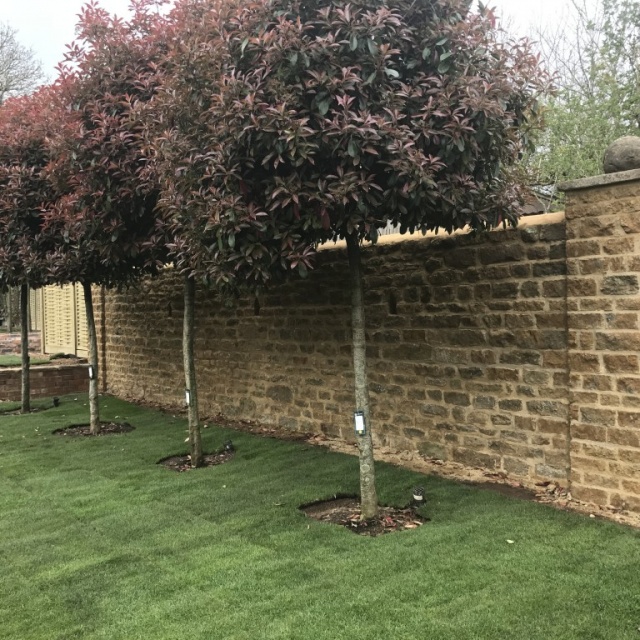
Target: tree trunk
(94,409)
(24,347)
(368,495)
(10,311)
(195,437)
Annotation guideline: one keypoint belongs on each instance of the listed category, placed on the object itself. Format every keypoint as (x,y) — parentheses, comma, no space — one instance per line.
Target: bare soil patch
(345,511)
(182,462)
(106,429)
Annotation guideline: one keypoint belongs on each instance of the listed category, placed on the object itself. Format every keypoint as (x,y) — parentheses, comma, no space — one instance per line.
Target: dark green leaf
(323,106)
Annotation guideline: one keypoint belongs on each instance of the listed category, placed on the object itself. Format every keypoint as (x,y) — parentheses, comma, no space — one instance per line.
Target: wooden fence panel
(64,320)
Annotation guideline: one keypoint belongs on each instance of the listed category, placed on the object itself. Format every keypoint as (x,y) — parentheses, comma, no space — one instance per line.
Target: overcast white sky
(48,25)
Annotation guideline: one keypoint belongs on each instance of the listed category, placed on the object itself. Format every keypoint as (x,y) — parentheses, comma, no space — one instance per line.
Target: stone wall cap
(538,219)
(600,181)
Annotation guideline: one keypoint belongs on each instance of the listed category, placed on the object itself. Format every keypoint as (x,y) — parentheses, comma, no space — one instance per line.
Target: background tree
(20,71)
(104,220)
(25,195)
(595,57)
(296,123)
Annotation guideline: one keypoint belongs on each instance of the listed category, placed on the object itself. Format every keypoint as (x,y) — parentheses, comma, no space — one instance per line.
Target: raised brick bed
(45,381)
(10,343)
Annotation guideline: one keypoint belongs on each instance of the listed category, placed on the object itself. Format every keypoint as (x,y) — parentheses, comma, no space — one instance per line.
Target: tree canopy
(26,124)
(339,117)
(104,215)
(596,61)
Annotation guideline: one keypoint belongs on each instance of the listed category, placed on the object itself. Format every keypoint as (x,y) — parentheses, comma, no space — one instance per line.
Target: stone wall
(467,349)
(516,351)
(603,248)
(45,381)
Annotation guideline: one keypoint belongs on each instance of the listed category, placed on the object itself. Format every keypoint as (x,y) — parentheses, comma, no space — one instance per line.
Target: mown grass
(99,542)
(36,404)
(12,360)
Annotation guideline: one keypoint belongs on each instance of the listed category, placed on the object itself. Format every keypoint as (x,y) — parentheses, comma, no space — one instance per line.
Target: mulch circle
(106,429)
(183,462)
(345,511)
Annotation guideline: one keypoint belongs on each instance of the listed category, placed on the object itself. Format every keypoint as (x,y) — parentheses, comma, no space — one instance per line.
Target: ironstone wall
(515,351)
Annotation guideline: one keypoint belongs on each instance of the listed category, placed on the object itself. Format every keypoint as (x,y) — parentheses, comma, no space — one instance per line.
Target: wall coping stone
(395,238)
(47,367)
(606,179)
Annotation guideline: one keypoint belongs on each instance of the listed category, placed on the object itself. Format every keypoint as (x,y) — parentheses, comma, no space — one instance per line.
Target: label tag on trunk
(187,397)
(92,373)
(359,423)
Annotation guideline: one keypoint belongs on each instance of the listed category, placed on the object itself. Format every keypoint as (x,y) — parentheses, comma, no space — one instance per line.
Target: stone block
(484,402)
(589,494)
(460,399)
(477,458)
(545,425)
(547,471)
(624,437)
(618,341)
(510,405)
(601,417)
(581,287)
(620,285)
(280,393)
(517,466)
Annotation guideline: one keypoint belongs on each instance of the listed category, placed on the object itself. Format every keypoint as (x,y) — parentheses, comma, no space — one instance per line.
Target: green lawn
(97,541)
(11,360)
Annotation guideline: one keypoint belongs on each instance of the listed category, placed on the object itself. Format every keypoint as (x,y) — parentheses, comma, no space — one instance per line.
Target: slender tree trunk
(368,495)
(195,437)
(24,347)
(10,311)
(94,409)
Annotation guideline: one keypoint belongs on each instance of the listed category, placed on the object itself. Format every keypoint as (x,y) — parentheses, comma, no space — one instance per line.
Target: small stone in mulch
(183,462)
(345,511)
(106,429)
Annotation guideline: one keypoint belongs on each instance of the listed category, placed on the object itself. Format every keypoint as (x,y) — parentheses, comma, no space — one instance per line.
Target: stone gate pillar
(603,324)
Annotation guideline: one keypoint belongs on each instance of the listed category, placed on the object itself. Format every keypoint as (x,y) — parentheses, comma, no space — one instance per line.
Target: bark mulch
(106,429)
(345,511)
(183,462)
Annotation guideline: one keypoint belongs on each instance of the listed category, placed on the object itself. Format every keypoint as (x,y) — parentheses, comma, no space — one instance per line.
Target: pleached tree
(104,219)
(291,123)
(200,214)
(25,196)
